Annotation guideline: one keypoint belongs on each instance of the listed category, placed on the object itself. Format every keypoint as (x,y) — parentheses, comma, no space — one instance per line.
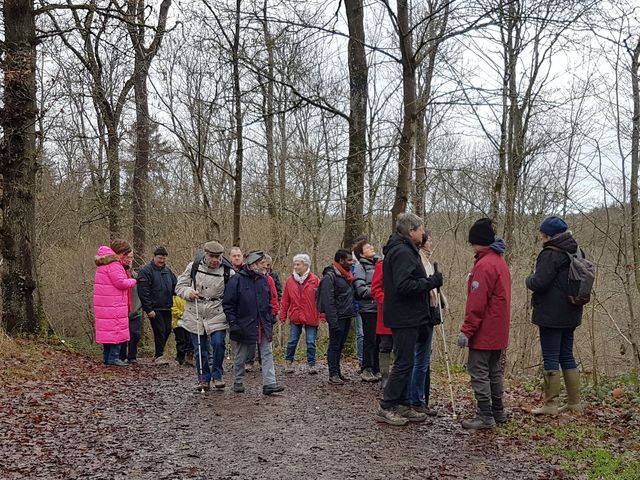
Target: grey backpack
(582,275)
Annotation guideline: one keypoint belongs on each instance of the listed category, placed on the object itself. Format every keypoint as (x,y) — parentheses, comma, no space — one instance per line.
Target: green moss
(597,463)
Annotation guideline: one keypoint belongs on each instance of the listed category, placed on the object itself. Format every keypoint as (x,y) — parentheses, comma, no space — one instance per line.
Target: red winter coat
(275,305)
(378,294)
(486,320)
(299,301)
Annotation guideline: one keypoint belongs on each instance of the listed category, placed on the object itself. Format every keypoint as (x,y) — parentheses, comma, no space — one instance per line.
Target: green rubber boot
(551,394)
(572,383)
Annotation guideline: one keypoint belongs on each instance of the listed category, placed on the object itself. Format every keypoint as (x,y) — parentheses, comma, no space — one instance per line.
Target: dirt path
(82,420)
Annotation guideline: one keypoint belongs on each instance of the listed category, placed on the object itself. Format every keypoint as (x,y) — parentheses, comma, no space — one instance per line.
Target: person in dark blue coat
(156,283)
(249,312)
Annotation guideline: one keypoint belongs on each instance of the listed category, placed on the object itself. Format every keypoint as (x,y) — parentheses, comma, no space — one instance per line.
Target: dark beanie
(553,226)
(482,233)
(160,251)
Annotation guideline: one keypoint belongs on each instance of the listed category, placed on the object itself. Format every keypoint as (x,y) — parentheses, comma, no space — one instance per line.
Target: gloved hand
(437,279)
(463,341)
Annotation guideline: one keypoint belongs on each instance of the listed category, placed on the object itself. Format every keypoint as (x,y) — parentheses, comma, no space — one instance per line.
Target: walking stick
(200,375)
(446,349)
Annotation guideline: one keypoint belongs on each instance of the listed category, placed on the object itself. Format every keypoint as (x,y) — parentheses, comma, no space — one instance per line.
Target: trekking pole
(200,374)
(454,415)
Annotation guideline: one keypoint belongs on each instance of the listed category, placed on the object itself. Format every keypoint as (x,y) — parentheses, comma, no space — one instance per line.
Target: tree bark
(635,162)
(237,196)
(356,161)
(18,166)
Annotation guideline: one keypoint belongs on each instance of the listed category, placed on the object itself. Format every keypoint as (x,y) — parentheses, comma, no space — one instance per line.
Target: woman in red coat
(299,306)
(385,340)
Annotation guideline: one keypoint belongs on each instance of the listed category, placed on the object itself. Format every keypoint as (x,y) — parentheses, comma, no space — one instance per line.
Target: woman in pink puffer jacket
(112,299)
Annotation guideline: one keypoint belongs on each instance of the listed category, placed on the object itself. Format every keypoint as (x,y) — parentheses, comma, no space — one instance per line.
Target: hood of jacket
(499,246)
(396,240)
(563,241)
(105,255)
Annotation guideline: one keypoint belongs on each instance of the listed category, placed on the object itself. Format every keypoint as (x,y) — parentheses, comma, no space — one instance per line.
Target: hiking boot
(161,361)
(378,376)
(188,359)
(500,416)
(391,416)
(410,414)
(218,383)
(269,389)
(368,376)
(202,387)
(132,361)
(343,378)
(238,388)
(249,366)
(430,412)
(572,382)
(479,423)
(119,363)
(551,394)
(313,370)
(336,380)
(288,368)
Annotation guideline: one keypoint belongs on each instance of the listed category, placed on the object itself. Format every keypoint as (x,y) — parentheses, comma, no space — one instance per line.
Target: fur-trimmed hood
(105,256)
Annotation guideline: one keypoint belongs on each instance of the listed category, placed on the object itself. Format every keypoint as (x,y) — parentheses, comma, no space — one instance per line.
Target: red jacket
(486,320)
(275,306)
(299,301)
(378,294)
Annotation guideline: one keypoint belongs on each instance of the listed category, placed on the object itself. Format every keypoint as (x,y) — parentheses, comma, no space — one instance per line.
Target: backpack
(196,265)
(582,275)
(318,297)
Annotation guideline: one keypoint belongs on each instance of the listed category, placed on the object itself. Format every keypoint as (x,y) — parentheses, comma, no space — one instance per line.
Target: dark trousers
(370,347)
(161,326)
(397,390)
(557,348)
(183,344)
(485,370)
(338,334)
(385,343)
(129,350)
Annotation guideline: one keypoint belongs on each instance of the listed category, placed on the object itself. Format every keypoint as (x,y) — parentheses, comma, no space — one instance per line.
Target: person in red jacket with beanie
(385,339)
(299,306)
(486,323)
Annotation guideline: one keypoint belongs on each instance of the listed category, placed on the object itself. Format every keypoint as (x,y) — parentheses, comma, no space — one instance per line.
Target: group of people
(397,299)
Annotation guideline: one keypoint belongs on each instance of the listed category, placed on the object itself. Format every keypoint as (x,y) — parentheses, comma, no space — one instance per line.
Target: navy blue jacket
(155,287)
(247,306)
(336,295)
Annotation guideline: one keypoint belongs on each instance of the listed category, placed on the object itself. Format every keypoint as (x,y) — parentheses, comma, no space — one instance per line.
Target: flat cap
(213,248)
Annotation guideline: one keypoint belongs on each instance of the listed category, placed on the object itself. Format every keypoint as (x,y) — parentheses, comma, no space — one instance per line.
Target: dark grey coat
(336,295)
(362,278)
(549,284)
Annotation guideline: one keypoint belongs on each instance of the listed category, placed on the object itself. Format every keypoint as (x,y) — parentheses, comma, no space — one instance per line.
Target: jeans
(129,350)
(557,348)
(161,326)
(266,358)
(338,334)
(486,379)
(370,342)
(418,392)
(397,390)
(295,330)
(359,338)
(217,341)
(110,353)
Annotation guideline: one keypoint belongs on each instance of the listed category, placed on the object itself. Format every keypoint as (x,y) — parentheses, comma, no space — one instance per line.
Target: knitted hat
(553,225)
(303,258)
(254,257)
(482,233)
(214,248)
(160,251)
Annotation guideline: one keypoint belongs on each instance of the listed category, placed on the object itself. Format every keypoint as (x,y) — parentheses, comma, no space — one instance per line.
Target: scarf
(428,267)
(348,276)
(301,278)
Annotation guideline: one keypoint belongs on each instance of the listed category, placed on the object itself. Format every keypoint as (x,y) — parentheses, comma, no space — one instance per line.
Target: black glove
(437,279)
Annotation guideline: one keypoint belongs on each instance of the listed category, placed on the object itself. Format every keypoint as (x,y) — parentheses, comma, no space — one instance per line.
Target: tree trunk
(18,166)
(113,165)
(635,161)
(237,197)
(356,161)
(409,113)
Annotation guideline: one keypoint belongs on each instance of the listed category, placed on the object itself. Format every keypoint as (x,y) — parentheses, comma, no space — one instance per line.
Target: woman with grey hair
(299,306)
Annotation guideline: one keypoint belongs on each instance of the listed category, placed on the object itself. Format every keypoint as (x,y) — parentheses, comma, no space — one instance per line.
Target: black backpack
(196,265)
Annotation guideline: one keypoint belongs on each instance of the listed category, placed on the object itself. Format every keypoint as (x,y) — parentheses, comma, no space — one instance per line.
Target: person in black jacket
(406,312)
(275,275)
(368,308)
(555,316)
(156,284)
(336,298)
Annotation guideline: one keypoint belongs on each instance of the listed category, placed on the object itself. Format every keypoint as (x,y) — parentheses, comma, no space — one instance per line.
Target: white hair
(304,258)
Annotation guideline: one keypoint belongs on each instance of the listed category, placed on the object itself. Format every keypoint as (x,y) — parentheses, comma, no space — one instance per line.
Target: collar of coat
(107,259)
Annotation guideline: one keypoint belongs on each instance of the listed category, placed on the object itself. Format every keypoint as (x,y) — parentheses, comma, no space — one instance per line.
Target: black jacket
(155,287)
(362,278)
(549,284)
(406,285)
(276,279)
(336,296)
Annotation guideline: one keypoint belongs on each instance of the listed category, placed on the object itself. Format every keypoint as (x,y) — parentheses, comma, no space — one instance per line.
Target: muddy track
(86,421)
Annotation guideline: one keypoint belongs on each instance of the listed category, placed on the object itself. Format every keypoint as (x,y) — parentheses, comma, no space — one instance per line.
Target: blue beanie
(553,226)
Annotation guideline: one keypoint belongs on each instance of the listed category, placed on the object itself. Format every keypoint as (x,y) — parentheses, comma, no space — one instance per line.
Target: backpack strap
(195,266)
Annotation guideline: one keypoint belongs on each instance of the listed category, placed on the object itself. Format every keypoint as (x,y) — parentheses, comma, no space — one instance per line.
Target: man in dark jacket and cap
(555,316)
(156,284)
(249,312)
(486,323)
(406,311)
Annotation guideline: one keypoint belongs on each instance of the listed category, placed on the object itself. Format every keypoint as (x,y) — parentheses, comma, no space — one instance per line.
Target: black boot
(483,420)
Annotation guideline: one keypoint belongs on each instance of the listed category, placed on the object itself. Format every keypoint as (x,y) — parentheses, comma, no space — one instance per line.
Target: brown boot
(551,394)
(572,383)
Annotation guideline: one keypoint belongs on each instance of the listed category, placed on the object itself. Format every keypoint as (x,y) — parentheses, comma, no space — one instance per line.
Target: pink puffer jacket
(111,298)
